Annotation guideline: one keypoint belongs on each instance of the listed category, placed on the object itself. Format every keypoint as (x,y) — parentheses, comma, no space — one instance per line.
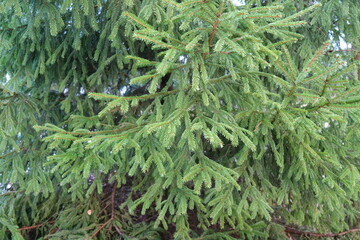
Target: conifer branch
(145,38)
(290,63)
(12,29)
(283,22)
(321,74)
(343,50)
(123,128)
(13,152)
(263,16)
(99,229)
(142,97)
(149,96)
(25,25)
(333,101)
(311,234)
(188,3)
(10,193)
(283,70)
(318,107)
(292,91)
(317,55)
(8,97)
(175,4)
(326,81)
(344,94)
(138,21)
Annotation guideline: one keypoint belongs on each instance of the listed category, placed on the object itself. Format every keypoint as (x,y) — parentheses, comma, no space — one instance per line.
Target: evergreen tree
(164,119)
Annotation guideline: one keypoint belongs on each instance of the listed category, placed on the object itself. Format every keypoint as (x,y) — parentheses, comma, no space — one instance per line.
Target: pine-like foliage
(164,119)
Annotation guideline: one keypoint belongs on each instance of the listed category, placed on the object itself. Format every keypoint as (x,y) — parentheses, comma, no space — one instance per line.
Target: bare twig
(311,234)
(24,228)
(113,200)
(112,212)
(101,227)
(118,230)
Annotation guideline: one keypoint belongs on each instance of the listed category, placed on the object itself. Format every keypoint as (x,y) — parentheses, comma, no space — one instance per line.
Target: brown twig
(311,234)
(112,212)
(24,228)
(326,81)
(118,230)
(113,200)
(54,230)
(101,227)
(292,91)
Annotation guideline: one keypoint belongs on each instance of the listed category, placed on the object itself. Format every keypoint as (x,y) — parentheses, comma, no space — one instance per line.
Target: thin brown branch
(102,210)
(101,227)
(112,211)
(326,81)
(311,234)
(118,230)
(54,230)
(113,200)
(24,228)
(292,91)
(216,24)
(318,54)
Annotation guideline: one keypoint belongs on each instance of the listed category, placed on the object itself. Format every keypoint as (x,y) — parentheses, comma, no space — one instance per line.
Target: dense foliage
(164,119)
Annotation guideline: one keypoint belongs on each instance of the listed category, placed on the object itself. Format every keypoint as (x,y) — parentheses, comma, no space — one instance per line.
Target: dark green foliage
(163,119)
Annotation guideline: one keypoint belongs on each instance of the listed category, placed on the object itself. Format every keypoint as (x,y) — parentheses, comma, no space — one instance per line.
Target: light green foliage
(163,119)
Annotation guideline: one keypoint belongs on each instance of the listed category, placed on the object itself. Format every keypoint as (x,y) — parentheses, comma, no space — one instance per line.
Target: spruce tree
(164,119)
